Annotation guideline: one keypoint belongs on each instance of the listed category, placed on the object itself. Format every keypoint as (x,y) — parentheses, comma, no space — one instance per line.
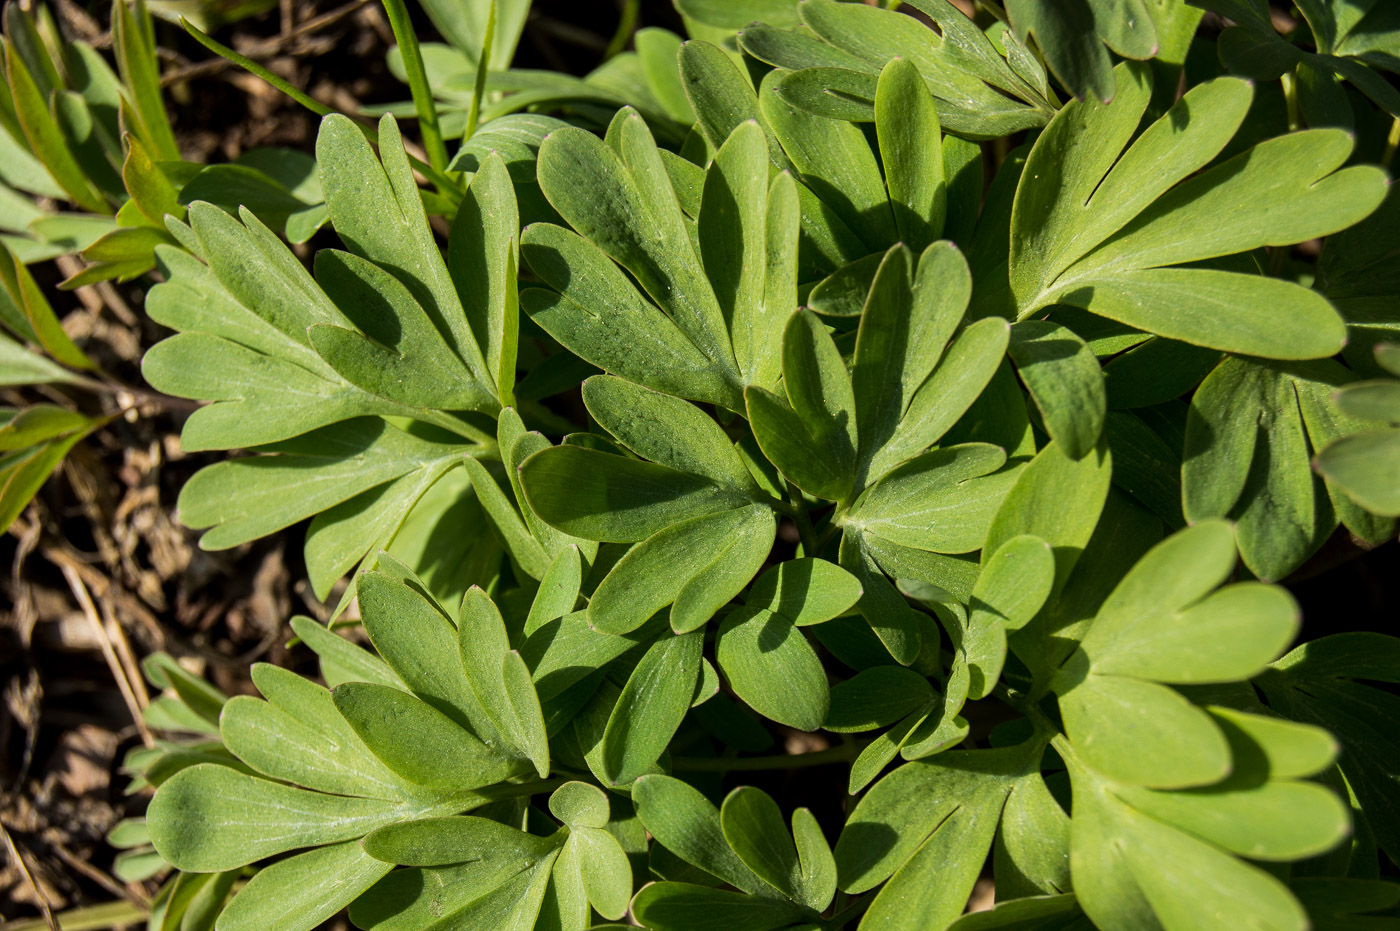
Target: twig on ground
(23,867)
(80,592)
(77,863)
(266,49)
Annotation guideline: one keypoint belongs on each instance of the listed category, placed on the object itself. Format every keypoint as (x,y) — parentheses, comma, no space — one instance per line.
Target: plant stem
(483,66)
(117,914)
(802,521)
(1392,142)
(520,789)
(850,911)
(843,753)
(418,83)
(627,25)
(1289,80)
(443,182)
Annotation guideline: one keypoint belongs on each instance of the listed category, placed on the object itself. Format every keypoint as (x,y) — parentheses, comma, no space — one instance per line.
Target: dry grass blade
(29,878)
(119,672)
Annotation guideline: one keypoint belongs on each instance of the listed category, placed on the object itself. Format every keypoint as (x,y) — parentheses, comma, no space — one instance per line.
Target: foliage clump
(827,372)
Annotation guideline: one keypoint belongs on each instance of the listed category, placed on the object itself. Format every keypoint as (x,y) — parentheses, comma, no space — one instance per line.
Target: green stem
(456,425)
(832,529)
(855,909)
(631,9)
(418,83)
(483,66)
(521,789)
(438,178)
(115,914)
(1290,96)
(803,522)
(1392,142)
(844,753)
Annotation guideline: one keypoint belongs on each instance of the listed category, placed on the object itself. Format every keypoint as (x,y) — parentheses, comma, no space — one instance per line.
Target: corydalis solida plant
(961,407)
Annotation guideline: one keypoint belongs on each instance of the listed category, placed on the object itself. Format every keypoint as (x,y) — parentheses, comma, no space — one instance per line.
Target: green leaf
(906,123)
(1155,372)
(788,443)
(36,320)
(198,696)
(303,891)
(579,804)
(836,163)
(1088,232)
(697,566)
(772,667)
(780,13)
(682,820)
(658,51)
(1128,868)
(376,209)
(875,698)
(418,742)
(1016,913)
(481,257)
(666,430)
(559,590)
(1377,401)
(942,501)
(1221,434)
(244,342)
(22,473)
(966,369)
(495,678)
(819,390)
(1277,821)
(420,644)
(977,93)
(604,870)
(720,95)
(1268,486)
(396,353)
(153,194)
(937,819)
(814,856)
(881,604)
(1159,625)
(1317,684)
(486,893)
(45,138)
(1224,637)
(731,235)
(671,906)
(1365,466)
(243,499)
(903,331)
(651,706)
(1067,36)
(805,591)
(753,827)
(527,716)
(1064,380)
(1031,507)
(132,38)
(640,342)
(457,839)
(210,817)
(1015,582)
(623,202)
(297,736)
(599,496)
(518,539)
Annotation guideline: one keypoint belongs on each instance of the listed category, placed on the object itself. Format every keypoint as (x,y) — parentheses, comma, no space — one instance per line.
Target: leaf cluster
(829,372)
